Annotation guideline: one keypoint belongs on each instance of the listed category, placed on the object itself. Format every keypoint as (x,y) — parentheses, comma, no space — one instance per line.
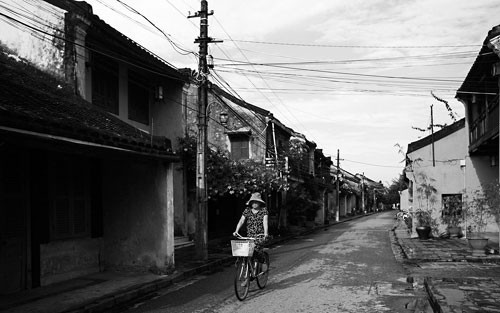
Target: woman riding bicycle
(256,217)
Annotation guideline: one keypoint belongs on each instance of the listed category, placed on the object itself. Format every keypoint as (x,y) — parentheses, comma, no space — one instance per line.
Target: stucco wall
(168,121)
(138,215)
(446,175)
(479,172)
(66,259)
(404,200)
(44,51)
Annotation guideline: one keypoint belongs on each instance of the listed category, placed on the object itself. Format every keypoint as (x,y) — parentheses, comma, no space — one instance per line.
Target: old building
(479,94)
(435,169)
(245,132)
(88,164)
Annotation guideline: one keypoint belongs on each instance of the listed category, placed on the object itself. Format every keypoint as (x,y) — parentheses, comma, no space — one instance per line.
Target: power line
(352,46)
(172,43)
(357,74)
(370,164)
(265,82)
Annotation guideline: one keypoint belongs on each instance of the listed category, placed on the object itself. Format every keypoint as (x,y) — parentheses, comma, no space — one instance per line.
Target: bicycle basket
(242,247)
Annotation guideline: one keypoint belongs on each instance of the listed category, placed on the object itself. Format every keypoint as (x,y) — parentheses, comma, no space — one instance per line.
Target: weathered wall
(404,200)
(447,176)
(44,51)
(67,259)
(168,121)
(138,217)
(478,172)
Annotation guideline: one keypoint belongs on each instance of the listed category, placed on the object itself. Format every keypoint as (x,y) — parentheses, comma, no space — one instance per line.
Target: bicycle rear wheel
(262,277)
(242,279)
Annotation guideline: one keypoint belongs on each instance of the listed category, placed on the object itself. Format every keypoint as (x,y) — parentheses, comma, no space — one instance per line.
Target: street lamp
(223,118)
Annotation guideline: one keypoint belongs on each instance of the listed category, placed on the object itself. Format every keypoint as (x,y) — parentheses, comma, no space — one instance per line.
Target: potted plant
(475,229)
(485,203)
(423,221)
(426,199)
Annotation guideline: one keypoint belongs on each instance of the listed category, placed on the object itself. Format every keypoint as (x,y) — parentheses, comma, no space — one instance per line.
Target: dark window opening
(105,83)
(69,199)
(138,99)
(452,206)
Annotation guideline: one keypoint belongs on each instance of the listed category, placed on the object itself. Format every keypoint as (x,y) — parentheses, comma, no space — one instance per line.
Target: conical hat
(256,197)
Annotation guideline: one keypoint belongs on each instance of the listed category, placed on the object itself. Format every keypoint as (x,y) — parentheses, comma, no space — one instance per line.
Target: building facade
(88,165)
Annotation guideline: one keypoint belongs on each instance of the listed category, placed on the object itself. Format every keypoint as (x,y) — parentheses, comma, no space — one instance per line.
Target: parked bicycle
(248,268)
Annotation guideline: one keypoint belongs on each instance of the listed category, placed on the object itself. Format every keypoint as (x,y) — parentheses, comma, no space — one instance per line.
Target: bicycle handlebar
(248,238)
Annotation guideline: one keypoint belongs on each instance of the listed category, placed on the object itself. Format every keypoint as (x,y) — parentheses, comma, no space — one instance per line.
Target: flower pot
(454,231)
(478,246)
(423,232)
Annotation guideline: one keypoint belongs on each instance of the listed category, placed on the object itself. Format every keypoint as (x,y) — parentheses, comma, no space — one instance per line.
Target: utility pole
(363,192)
(337,214)
(201,238)
(432,137)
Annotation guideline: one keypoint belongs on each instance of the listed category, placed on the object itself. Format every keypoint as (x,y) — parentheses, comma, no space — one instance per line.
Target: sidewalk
(102,291)
(454,280)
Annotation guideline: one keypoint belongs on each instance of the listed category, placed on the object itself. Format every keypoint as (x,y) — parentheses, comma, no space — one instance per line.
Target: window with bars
(69,199)
(452,206)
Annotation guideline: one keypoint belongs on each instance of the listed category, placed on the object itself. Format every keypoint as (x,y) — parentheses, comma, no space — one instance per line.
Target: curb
(397,249)
(431,295)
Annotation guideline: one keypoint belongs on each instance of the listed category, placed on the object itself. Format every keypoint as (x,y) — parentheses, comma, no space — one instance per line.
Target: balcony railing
(486,125)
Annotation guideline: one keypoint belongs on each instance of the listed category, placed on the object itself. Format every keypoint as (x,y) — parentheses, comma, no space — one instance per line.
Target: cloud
(351,117)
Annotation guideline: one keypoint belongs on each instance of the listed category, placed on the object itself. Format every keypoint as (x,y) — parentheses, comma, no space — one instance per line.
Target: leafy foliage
(483,204)
(423,217)
(226,176)
(392,192)
(452,210)
(229,177)
(302,200)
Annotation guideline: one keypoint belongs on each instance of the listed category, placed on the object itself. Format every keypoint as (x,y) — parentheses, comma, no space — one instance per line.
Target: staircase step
(181,242)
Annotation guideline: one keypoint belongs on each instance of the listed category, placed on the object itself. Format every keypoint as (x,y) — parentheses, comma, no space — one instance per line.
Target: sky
(354,76)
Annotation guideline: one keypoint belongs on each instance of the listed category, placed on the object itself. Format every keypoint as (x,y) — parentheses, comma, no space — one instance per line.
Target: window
(105,83)
(69,183)
(138,99)
(240,147)
(452,206)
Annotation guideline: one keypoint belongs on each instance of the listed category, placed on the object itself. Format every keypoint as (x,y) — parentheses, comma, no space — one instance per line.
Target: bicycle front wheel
(262,277)
(242,279)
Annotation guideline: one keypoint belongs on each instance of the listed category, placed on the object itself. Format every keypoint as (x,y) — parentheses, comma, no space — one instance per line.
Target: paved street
(346,268)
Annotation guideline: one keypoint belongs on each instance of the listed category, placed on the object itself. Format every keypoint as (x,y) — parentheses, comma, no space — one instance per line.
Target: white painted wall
(446,176)
(42,50)
(404,200)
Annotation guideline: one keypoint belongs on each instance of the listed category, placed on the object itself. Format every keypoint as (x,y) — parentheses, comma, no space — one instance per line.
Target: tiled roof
(217,90)
(479,79)
(33,101)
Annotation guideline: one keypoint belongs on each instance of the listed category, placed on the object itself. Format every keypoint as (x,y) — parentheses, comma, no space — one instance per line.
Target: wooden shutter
(69,197)
(239,147)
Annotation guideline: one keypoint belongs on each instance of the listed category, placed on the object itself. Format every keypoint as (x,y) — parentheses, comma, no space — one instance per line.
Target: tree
(397,185)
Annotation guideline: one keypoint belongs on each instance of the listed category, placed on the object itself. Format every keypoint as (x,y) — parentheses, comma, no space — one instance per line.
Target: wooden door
(13,221)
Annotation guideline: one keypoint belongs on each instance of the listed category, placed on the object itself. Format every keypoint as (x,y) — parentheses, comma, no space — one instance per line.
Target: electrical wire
(265,82)
(353,46)
(173,44)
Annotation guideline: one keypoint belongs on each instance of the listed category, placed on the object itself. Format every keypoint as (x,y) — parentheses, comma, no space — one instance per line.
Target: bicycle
(247,266)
